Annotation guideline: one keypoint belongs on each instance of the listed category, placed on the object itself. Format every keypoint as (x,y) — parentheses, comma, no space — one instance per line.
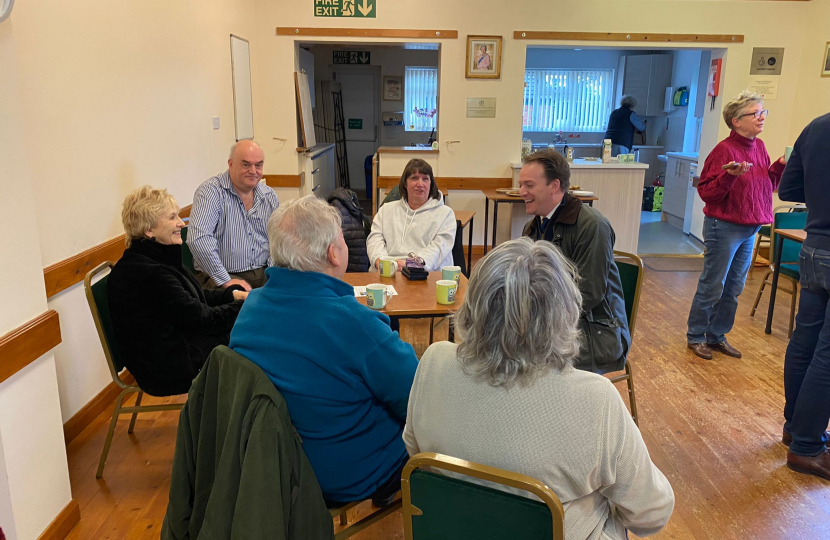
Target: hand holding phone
(736,169)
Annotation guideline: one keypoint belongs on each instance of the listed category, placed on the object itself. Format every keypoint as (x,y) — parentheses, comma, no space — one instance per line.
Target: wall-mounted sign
(345,8)
(355,123)
(766,61)
(481,107)
(766,87)
(351,57)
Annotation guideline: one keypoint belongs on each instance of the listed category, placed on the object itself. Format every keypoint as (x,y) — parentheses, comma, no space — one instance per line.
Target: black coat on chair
(165,324)
(351,216)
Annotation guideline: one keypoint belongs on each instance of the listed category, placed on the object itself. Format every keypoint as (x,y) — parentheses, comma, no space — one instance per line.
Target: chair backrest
(631,276)
(790,248)
(437,506)
(458,250)
(187,255)
(96,297)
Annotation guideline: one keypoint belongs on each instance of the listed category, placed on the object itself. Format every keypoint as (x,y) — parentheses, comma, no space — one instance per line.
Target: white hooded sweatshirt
(429,232)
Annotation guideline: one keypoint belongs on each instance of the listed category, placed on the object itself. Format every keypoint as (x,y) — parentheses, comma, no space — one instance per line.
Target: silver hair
(738,104)
(520,313)
(628,101)
(300,233)
(234,145)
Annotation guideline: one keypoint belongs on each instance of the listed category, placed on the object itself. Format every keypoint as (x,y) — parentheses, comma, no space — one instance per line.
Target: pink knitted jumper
(745,199)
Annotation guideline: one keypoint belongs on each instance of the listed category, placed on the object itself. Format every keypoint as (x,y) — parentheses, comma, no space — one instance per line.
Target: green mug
(451,273)
(445,290)
(388,266)
(377,295)
(787,151)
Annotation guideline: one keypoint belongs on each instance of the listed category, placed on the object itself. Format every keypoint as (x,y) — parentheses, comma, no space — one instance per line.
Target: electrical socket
(215,122)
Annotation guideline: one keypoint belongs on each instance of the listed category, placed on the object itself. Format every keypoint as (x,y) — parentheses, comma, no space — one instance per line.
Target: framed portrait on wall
(483,57)
(825,67)
(392,88)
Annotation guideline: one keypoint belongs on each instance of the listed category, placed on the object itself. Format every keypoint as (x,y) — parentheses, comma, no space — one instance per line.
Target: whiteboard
(243,111)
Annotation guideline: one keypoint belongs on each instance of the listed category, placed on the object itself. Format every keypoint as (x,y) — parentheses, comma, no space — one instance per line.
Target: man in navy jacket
(807,362)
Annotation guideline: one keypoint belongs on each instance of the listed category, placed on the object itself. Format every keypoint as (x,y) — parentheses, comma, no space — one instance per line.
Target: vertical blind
(567,99)
(420,91)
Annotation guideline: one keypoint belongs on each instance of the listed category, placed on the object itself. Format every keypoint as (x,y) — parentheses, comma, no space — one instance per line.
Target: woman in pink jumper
(736,184)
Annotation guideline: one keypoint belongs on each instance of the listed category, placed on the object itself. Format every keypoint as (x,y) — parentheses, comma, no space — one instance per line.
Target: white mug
(377,295)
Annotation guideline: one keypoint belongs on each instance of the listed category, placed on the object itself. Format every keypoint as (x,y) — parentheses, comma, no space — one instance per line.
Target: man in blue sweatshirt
(343,372)
(807,363)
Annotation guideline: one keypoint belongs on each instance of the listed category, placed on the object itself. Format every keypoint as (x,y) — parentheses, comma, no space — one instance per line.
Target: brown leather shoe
(725,348)
(816,466)
(787,439)
(702,350)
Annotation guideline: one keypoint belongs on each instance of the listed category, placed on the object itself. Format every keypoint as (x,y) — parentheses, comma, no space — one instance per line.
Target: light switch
(215,122)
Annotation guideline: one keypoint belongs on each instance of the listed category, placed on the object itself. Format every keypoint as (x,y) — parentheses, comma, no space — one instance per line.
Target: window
(567,99)
(420,98)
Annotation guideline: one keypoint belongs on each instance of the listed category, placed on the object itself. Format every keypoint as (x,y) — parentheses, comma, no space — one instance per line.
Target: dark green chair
(789,261)
(631,275)
(441,507)
(96,296)
(187,255)
(766,230)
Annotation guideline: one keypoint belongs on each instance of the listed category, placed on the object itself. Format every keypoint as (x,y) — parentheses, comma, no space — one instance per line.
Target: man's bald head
(245,165)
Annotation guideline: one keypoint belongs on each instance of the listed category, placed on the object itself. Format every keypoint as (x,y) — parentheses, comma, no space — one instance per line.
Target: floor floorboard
(713,427)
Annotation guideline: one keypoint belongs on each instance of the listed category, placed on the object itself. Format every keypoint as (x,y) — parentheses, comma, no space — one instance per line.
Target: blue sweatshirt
(807,179)
(343,372)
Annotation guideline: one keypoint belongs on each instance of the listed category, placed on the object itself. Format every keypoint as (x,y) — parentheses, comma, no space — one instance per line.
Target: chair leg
(431,329)
(793,304)
(760,293)
(632,398)
(135,414)
(344,518)
(115,412)
(755,251)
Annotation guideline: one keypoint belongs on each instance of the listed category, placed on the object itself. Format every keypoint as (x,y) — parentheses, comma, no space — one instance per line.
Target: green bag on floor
(657,205)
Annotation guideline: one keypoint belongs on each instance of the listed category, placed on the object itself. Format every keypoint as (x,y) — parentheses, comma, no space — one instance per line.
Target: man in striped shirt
(227,232)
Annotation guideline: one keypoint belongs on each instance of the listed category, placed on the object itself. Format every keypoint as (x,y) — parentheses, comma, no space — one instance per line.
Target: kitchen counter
(406,150)
(593,145)
(589,164)
(691,156)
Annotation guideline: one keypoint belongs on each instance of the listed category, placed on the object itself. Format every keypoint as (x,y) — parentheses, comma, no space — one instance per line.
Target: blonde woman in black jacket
(165,324)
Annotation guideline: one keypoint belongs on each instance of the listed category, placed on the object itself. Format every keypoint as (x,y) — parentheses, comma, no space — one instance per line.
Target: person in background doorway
(807,362)
(621,126)
(736,184)
(228,220)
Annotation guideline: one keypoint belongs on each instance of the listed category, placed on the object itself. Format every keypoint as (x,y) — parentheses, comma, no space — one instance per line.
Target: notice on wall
(345,8)
(766,61)
(764,86)
(481,107)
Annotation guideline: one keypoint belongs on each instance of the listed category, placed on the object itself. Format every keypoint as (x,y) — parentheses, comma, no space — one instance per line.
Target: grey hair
(628,101)
(300,233)
(738,104)
(234,145)
(520,313)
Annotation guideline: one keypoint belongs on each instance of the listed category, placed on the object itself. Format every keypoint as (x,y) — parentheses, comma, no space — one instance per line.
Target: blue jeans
(725,266)
(807,363)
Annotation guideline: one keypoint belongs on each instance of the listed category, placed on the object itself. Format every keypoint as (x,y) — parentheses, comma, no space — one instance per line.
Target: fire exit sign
(345,8)
(355,123)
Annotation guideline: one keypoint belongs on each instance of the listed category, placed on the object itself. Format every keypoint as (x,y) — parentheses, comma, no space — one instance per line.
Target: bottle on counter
(606,151)
(527,147)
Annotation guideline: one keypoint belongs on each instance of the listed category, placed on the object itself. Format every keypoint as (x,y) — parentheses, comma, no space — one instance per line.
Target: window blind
(421,92)
(567,99)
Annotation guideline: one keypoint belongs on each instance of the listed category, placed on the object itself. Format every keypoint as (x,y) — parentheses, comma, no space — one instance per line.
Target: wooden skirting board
(63,523)
(453,182)
(629,36)
(66,273)
(89,412)
(27,343)
(367,32)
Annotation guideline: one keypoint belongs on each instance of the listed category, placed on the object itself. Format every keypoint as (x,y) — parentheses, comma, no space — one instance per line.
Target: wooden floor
(713,427)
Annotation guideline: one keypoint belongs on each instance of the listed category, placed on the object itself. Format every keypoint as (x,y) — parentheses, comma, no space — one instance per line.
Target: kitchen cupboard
(646,77)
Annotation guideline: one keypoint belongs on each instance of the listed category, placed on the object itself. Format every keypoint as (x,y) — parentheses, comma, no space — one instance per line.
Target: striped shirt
(223,236)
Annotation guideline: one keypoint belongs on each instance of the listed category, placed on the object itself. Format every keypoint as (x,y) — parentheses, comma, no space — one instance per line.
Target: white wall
(34,478)
(812,95)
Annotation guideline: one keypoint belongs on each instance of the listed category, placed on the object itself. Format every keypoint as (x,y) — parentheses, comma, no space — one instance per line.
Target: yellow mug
(445,290)
(388,266)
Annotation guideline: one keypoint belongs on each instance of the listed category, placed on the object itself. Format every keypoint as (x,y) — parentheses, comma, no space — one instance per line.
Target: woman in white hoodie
(418,223)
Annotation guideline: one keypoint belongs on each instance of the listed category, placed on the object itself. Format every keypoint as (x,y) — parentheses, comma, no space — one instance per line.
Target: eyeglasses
(757,115)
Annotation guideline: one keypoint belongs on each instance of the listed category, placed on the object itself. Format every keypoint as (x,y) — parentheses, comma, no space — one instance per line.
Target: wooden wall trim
(28,342)
(629,36)
(66,273)
(454,182)
(89,412)
(63,523)
(282,180)
(367,32)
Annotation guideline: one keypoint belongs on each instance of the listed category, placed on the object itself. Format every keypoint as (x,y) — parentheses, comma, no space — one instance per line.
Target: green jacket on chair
(239,470)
